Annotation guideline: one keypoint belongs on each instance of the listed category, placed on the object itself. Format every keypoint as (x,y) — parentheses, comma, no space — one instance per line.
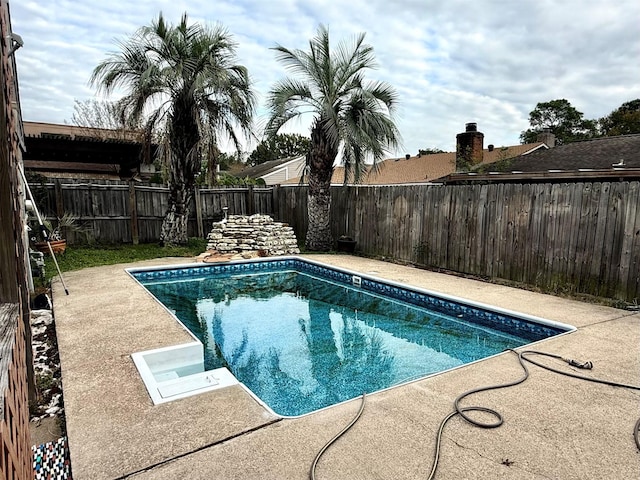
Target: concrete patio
(555,427)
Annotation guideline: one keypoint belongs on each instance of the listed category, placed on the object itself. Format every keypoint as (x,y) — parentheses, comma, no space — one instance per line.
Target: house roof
(265,168)
(606,158)
(74,132)
(550,176)
(598,154)
(426,168)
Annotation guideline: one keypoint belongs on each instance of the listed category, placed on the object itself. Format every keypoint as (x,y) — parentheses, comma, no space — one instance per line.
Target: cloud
(451,62)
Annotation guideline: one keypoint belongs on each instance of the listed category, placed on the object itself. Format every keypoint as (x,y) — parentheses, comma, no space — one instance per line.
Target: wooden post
(250,200)
(133,209)
(59,199)
(199,212)
(275,203)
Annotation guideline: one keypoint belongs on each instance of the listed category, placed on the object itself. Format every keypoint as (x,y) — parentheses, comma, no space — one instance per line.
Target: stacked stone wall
(241,233)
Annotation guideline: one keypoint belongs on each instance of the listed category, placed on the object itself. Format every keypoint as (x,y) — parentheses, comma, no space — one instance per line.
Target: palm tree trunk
(321,158)
(319,230)
(174,224)
(185,162)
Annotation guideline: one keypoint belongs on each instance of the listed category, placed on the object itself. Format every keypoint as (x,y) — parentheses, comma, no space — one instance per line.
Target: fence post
(250,200)
(59,199)
(275,202)
(199,212)
(135,236)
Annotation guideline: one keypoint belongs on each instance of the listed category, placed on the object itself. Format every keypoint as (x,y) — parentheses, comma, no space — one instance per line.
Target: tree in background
(351,117)
(624,120)
(562,119)
(228,163)
(232,180)
(104,119)
(96,115)
(283,145)
(429,151)
(183,81)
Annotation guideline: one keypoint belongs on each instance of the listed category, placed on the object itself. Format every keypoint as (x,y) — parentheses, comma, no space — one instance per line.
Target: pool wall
(506,320)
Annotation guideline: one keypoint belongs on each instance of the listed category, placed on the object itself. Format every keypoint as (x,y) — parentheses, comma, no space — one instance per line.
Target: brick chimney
(469,147)
(547,137)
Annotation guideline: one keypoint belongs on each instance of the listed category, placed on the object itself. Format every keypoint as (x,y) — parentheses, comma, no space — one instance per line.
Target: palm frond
(185,79)
(352,116)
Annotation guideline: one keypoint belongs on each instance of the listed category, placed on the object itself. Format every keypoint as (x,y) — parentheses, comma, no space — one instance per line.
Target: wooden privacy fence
(575,237)
(119,212)
(571,237)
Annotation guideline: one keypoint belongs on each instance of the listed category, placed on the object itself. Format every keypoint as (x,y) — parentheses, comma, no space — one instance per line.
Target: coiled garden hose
(523,356)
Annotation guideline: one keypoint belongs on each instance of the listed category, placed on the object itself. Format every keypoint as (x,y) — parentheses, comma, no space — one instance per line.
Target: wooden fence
(117,212)
(563,237)
(577,237)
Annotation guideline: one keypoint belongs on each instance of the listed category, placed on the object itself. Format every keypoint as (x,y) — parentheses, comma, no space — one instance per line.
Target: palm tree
(184,81)
(351,117)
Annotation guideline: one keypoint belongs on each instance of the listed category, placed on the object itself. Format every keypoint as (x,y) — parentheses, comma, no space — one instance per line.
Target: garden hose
(312,472)
(523,357)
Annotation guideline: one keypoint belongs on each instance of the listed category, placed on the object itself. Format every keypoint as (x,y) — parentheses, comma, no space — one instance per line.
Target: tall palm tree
(184,81)
(351,117)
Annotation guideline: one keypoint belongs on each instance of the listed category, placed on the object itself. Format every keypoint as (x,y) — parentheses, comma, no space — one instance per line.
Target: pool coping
(114,430)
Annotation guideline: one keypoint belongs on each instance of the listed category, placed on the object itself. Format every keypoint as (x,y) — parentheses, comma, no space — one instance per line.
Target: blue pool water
(302,337)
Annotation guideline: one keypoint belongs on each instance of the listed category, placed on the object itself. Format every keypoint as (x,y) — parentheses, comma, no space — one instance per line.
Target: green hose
(312,472)
(462,411)
(522,357)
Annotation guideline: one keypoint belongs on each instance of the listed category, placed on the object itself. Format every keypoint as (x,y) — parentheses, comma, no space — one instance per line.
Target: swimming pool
(302,336)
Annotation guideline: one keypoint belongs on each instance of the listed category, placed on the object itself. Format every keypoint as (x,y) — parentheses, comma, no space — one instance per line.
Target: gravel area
(46,362)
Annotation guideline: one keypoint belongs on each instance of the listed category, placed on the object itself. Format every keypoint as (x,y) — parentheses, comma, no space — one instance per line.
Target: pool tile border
(506,322)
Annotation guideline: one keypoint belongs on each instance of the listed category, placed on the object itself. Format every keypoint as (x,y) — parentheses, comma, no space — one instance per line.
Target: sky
(450,61)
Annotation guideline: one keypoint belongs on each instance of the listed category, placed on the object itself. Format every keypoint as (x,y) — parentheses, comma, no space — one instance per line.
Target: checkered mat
(51,460)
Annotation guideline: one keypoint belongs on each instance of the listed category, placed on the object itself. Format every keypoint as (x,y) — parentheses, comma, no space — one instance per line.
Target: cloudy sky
(451,61)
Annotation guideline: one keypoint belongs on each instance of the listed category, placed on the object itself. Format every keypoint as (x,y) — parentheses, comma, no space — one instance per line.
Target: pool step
(210,380)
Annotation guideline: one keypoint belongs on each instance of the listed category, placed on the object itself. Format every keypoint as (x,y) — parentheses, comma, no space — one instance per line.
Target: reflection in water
(301,344)
(329,375)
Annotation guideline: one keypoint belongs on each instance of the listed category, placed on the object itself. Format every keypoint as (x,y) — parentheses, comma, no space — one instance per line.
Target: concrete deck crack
(195,450)
(471,449)
(512,465)
(630,314)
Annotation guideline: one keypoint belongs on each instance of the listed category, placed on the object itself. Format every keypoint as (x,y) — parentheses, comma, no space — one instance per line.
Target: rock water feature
(239,234)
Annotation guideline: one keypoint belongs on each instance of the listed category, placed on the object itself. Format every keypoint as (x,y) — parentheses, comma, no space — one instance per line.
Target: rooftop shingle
(601,153)
(426,168)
